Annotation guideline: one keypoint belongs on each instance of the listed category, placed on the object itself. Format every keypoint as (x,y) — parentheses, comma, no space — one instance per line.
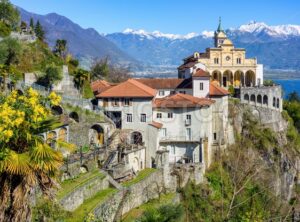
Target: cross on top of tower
(220,25)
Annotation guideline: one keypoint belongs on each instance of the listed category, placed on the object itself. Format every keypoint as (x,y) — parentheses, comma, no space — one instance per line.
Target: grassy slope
(69,185)
(142,175)
(88,205)
(156,203)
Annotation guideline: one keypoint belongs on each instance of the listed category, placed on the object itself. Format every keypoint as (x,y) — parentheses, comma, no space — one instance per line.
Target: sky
(167,16)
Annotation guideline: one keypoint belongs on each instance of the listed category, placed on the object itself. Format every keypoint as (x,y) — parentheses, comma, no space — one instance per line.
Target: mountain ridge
(84,44)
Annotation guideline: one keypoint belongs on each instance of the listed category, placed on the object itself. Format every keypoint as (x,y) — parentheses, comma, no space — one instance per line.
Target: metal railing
(179,138)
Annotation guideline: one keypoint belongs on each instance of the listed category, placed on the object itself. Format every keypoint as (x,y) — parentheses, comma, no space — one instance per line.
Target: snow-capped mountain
(275,31)
(158,34)
(277,47)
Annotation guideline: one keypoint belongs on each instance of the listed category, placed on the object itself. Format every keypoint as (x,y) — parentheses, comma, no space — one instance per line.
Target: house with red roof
(185,116)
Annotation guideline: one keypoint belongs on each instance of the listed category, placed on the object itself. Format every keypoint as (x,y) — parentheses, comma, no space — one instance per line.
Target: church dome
(227,42)
(221,35)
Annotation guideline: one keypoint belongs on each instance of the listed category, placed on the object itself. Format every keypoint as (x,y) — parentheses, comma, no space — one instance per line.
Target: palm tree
(60,47)
(27,163)
(80,77)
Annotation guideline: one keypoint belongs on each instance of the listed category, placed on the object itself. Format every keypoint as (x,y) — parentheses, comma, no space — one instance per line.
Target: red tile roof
(130,88)
(215,90)
(161,83)
(99,86)
(187,65)
(201,73)
(181,100)
(156,125)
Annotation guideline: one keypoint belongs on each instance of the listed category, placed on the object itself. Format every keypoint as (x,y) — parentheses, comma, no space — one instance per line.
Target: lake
(289,85)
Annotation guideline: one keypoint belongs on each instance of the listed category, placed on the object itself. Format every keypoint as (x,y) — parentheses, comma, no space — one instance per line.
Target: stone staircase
(114,140)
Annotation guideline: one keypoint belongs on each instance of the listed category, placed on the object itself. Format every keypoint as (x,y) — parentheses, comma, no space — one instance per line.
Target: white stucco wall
(176,131)
(197,92)
(259,74)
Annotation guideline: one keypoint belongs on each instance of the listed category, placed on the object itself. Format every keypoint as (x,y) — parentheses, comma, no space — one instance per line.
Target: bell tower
(220,35)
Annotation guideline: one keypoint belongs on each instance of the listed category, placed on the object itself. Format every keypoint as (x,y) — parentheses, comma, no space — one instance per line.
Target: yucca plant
(27,163)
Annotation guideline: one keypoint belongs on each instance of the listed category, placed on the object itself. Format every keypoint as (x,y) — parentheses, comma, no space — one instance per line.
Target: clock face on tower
(227,58)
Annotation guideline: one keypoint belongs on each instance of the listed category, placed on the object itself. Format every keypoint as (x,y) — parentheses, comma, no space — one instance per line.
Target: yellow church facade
(226,64)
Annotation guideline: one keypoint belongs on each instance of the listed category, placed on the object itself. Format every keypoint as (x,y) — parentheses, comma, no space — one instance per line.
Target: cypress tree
(39,32)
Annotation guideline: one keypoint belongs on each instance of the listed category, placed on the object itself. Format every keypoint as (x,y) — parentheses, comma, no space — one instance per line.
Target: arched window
(274,102)
(51,138)
(62,134)
(57,110)
(265,100)
(96,135)
(259,99)
(246,97)
(277,103)
(74,116)
(252,98)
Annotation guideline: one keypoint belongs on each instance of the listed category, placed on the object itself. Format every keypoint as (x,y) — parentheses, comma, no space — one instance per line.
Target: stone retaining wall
(74,199)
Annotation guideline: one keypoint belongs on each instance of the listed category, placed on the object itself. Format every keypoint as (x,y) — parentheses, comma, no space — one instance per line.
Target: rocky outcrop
(283,160)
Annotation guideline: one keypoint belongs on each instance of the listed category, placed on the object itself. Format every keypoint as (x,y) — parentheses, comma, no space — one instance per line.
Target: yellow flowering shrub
(19,112)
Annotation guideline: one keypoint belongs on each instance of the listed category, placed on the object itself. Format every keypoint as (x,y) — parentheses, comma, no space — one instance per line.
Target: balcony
(167,139)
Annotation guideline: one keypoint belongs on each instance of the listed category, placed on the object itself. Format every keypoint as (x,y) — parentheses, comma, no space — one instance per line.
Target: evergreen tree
(31,25)
(39,31)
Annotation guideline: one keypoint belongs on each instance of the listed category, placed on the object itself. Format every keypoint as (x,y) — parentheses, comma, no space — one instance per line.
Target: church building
(227,65)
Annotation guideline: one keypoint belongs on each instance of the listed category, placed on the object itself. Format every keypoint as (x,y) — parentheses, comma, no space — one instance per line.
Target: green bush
(5,30)
(48,210)
(87,91)
(165,213)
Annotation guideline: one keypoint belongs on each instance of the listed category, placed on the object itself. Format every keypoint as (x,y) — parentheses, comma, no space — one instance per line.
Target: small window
(115,102)
(143,117)
(182,92)
(172,92)
(201,86)
(216,60)
(170,115)
(164,132)
(161,93)
(215,136)
(126,102)
(188,116)
(238,61)
(158,115)
(129,118)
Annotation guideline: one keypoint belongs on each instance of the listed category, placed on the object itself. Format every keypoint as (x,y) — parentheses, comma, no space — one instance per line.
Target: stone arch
(96,135)
(252,98)
(57,110)
(84,169)
(246,97)
(238,79)
(136,138)
(20,92)
(51,138)
(250,78)
(216,76)
(63,134)
(265,100)
(259,99)
(74,116)
(227,78)
(277,103)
